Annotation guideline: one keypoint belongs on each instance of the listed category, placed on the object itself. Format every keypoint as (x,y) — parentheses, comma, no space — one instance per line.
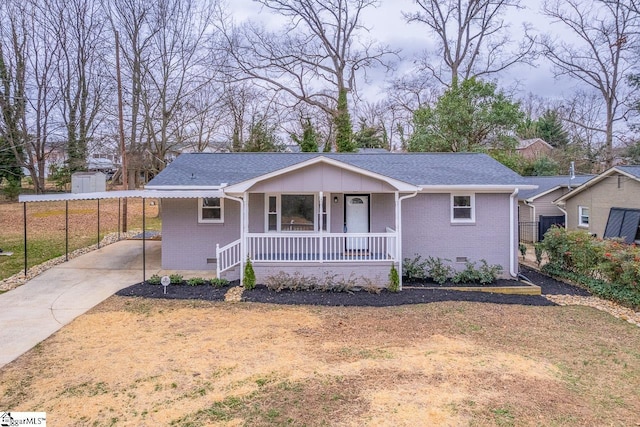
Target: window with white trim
(291,212)
(583,216)
(463,208)
(211,210)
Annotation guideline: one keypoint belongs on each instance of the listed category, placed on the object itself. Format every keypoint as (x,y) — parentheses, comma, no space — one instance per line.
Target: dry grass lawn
(137,362)
(46,228)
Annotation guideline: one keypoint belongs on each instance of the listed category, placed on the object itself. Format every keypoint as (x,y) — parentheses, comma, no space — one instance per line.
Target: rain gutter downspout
(399,230)
(513,270)
(243,253)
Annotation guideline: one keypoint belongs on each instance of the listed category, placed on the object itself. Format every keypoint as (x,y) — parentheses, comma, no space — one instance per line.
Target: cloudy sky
(388,26)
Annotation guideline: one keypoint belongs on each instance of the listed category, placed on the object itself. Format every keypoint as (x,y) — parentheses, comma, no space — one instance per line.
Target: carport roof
(123,194)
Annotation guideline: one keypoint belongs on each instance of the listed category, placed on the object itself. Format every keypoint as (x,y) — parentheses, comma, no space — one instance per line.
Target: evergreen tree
(469,117)
(550,128)
(309,141)
(370,137)
(262,137)
(342,121)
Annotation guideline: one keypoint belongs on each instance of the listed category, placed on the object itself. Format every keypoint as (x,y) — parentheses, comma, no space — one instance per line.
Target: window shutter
(630,225)
(614,223)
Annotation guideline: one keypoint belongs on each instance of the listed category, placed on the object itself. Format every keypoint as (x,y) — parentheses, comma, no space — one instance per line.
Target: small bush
(539,251)
(176,279)
(484,275)
(469,275)
(154,280)
(394,279)
(249,275)
(488,273)
(414,268)
(219,283)
(196,281)
(437,270)
(523,249)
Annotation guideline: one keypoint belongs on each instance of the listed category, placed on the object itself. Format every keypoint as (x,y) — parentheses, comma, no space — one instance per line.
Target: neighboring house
(607,205)
(536,210)
(342,214)
(534,148)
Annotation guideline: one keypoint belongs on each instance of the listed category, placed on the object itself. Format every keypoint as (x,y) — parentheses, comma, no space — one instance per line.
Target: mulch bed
(415,295)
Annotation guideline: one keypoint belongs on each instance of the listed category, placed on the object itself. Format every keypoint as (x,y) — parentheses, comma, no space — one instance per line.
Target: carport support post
(66,230)
(24,215)
(144,241)
(98,223)
(119,200)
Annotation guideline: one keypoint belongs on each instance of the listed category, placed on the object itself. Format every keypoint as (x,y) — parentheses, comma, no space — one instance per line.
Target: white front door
(357,221)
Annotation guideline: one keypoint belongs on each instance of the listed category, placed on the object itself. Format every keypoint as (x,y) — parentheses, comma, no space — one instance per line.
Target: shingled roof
(549,183)
(420,169)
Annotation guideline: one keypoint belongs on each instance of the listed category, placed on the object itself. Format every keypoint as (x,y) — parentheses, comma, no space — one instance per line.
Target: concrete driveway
(40,307)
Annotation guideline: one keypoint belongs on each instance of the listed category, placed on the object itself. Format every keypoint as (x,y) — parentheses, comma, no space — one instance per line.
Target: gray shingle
(546,183)
(212,169)
(631,169)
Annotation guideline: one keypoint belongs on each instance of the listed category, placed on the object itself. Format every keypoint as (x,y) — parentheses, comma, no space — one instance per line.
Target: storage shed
(88,182)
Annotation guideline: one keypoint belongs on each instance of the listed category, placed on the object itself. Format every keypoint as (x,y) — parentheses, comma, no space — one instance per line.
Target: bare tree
(79,25)
(472,38)
(30,96)
(174,71)
(601,56)
(315,57)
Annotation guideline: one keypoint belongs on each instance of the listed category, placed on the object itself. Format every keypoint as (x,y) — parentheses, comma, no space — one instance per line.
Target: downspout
(513,270)
(243,253)
(399,230)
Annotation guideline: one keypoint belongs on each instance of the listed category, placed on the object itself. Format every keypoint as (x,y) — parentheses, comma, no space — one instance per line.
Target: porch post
(244,229)
(398,236)
(320,219)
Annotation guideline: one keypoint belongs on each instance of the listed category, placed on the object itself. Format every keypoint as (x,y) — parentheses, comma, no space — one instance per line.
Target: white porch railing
(227,256)
(316,247)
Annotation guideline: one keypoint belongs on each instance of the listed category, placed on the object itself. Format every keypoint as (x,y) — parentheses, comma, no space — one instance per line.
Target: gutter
(399,230)
(513,270)
(243,251)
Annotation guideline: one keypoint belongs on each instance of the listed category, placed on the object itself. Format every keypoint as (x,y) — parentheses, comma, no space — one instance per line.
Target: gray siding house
(607,205)
(346,214)
(539,202)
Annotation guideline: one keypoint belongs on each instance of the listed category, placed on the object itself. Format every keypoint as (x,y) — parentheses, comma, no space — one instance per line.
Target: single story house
(607,205)
(347,214)
(536,210)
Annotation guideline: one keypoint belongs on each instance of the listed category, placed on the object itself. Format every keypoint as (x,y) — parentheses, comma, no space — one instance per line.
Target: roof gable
(632,172)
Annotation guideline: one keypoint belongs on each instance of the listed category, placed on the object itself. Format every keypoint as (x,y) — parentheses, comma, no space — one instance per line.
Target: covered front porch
(356,249)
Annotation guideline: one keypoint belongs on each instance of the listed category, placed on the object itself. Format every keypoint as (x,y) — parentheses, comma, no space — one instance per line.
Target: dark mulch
(415,295)
(203,292)
(427,283)
(549,285)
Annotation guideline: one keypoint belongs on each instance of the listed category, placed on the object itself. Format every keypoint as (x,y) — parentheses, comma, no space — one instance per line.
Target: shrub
(249,275)
(469,275)
(219,283)
(523,249)
(414,268)
(488,273)
(539,250)
(154,280)
(176,279)
(609,268)
(196,281)
(394,279)
(485,274)
(437,270)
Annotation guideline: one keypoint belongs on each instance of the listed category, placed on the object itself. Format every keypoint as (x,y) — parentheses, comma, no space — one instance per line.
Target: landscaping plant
(394,279)
(437,270)
(249,275)
(608,268)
